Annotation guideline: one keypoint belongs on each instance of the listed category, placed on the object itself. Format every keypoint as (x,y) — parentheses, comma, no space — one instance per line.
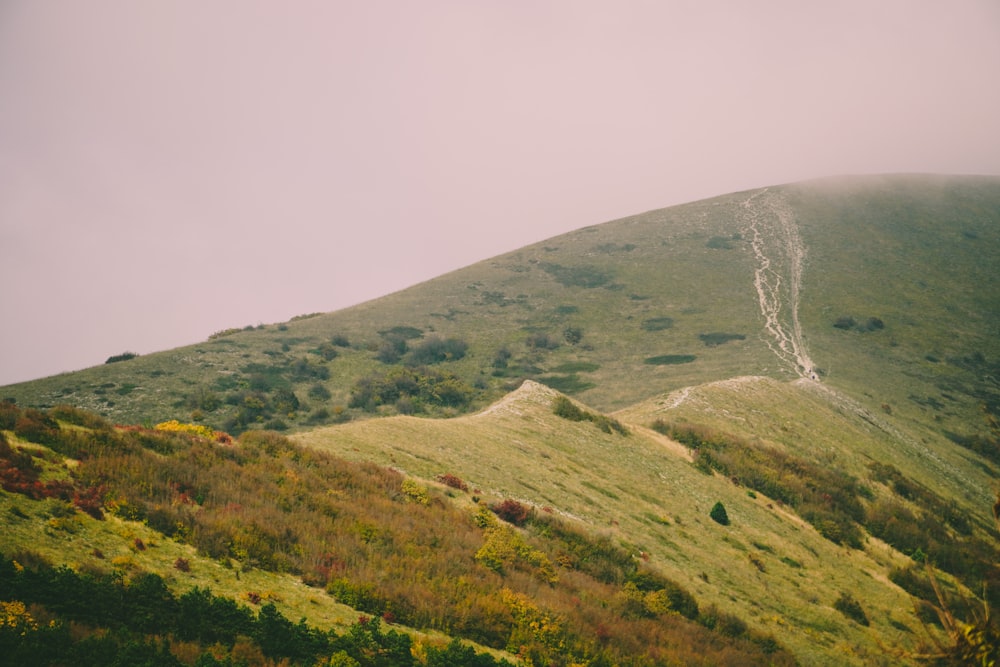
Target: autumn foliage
(394,548)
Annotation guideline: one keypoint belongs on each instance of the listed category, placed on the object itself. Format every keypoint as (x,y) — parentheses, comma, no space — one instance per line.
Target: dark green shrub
(587,277)
(670,359)
(124,356)
(436,350)
(719,338)
(501,358)
(719,514)
(391,351)
(851,608)
(845,322)
(565,408)
(573,335)
(425,386)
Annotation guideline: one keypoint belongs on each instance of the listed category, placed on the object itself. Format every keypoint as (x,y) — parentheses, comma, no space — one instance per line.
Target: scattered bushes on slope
(420,387)
(828,499)
(913,520)
(349,528)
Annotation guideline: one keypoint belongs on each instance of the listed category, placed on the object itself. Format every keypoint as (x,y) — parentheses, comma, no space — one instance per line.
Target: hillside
(821,359)
(617,312)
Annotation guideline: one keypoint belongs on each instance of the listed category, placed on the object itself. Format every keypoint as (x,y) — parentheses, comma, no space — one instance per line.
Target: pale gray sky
(172,168)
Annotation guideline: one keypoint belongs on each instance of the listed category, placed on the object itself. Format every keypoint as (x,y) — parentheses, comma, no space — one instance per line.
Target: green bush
(851,608)
(587,277)
(719,514)
(436,350)
(719,338)
(124,356)
(424,386)
(670,359)
(565,408)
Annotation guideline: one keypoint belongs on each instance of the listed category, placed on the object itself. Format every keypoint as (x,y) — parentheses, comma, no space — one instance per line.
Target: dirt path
(769,224)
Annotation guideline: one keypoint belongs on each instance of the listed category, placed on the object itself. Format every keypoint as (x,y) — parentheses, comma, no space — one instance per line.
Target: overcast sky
(172,168)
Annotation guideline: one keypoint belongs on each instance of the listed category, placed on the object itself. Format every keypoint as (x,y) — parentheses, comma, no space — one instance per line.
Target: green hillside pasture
(768,566)
(919,253)
(827,428)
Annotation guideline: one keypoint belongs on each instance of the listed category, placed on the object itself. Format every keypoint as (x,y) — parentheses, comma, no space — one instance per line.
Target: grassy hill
(819,358)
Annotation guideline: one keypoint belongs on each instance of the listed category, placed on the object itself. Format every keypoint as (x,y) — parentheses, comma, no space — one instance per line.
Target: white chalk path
(779,253)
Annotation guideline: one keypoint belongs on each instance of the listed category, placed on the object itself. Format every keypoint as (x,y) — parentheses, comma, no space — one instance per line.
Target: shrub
(423,386)
(719,514)
(670,359)
(587,277)
(36,426)
(436,350)
(845,322)
(454,482)
(501,358)
(541,341)
(874,324)
(719,338)
(124,356)
(851,608)
(573,335)
(175,426)
(565,408)
(512,511)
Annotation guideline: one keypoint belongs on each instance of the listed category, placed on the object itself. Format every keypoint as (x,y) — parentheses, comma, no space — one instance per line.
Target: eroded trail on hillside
(770,226)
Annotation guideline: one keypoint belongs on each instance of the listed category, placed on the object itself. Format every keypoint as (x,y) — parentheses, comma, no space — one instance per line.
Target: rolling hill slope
(614,313)
(821,358)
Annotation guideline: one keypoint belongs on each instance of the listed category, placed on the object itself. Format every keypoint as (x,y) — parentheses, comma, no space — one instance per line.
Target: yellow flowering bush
(194,429)
(415,492)
(14,617)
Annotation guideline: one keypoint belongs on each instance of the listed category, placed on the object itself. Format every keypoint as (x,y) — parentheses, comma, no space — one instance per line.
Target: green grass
(625,488)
